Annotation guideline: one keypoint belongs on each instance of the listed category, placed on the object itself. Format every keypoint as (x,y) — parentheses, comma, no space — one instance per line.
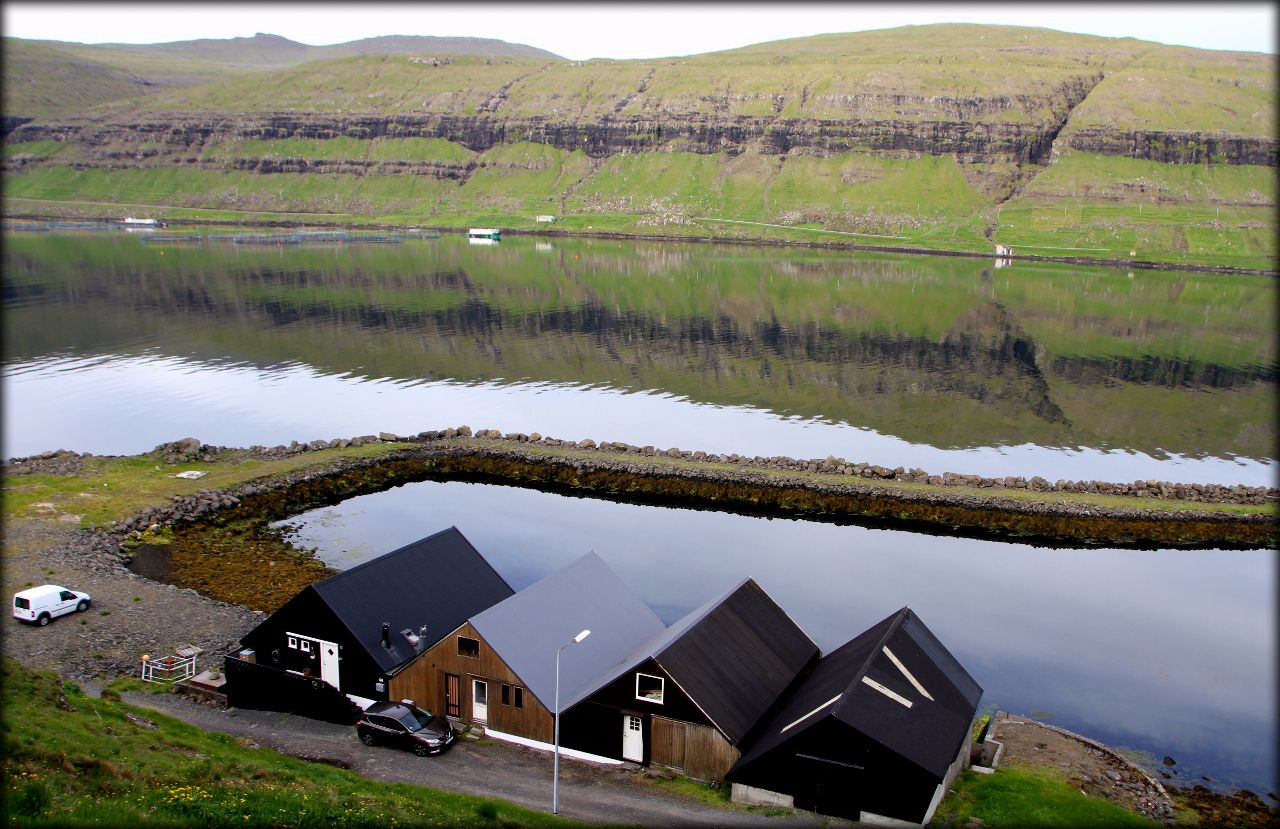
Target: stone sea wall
(190,449)
(822,488)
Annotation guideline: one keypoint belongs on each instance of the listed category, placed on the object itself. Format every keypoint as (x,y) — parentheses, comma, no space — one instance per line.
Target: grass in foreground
(1023,798)
(72,760)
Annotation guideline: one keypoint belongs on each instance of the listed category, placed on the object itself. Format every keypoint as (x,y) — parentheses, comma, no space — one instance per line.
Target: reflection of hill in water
(937,354)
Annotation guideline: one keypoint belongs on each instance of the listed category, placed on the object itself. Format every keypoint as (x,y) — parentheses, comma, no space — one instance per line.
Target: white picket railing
(174,668)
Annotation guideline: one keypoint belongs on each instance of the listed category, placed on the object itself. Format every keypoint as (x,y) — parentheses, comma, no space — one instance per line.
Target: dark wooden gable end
(731,659)
(306,614)
(874,727)
(720,668)
(437,582)
(738,659)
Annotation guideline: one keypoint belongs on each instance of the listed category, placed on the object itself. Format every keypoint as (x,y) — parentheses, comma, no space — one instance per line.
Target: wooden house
(688,697)
(498,668)
(878,729)
(355,630)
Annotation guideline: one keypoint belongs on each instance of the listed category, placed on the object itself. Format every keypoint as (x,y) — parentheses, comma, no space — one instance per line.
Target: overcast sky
(625,30)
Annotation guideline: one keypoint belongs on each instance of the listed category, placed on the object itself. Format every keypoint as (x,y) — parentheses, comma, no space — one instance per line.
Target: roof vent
(386,634)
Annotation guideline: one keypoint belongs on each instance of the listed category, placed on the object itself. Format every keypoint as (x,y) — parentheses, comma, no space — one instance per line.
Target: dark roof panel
(439,581)
(830,678)
(917,710)
(896,684)
(738,658)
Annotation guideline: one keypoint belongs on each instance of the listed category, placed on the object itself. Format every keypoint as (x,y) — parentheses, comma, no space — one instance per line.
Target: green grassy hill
(947,137)
(48,77)
(74,760)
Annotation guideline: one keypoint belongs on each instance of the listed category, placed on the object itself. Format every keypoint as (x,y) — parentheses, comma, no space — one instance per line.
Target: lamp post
(555,775)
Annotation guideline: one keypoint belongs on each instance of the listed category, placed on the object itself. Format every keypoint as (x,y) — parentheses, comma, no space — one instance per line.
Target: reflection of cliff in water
(976,379)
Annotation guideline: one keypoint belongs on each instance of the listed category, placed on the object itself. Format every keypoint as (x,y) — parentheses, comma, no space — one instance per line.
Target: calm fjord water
(113,345)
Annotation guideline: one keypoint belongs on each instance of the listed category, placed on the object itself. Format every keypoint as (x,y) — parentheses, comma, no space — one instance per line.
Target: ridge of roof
(329,591)
(382,560)
(584,594)
(895,621)
(656,644)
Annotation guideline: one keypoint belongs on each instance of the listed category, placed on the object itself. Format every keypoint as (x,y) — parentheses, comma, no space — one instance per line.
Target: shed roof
(526,629)
(733,657)
(896,684)
(438,581)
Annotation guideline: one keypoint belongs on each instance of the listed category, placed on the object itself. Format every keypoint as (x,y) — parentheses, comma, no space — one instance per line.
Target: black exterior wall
(263,688)
(833,770)
(597,720)
(307,614)
(597,729)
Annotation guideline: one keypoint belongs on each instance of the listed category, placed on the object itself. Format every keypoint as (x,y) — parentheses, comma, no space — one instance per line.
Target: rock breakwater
(830,488)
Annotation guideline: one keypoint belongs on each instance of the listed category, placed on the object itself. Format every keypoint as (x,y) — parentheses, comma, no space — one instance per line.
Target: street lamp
(555,775)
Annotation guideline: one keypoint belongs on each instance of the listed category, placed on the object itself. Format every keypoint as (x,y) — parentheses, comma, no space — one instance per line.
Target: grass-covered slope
(74,760)
(47,77)
(947,137)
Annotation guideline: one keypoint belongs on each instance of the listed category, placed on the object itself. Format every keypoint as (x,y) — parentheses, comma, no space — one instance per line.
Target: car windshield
(416,719)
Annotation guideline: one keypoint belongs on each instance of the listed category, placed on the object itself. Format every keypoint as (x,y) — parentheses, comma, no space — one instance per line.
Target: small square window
(306,645)
(293,642)
(649,688)
(468,647)
(519,698)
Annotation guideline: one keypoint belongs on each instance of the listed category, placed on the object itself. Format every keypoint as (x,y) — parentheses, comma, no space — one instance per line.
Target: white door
(329,662)
(479,700)
(632,739)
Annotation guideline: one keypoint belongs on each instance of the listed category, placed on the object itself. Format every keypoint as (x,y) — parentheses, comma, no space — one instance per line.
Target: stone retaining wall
(190,449)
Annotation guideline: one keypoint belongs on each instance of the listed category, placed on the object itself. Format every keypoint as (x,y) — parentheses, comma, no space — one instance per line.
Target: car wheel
(43,620)
(421,750)
(366,738)
(82,607)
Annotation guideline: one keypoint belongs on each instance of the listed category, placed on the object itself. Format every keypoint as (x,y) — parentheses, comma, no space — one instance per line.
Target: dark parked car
(404,725)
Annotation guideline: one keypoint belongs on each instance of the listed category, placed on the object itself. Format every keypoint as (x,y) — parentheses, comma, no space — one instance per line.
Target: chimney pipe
(386,634)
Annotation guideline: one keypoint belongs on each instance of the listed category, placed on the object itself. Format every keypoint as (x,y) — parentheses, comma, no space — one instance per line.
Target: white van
(48,601)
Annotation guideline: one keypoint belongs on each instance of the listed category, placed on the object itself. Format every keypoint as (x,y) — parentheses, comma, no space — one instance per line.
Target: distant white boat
(143,222)
(485,233)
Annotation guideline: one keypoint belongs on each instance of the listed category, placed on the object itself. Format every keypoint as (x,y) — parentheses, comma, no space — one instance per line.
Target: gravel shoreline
(130,615)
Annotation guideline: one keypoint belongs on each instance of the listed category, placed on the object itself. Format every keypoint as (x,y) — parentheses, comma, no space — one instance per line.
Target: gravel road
(589,792)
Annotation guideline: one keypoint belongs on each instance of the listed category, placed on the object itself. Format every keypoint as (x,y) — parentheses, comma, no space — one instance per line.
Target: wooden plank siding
(699,751)
(423,681)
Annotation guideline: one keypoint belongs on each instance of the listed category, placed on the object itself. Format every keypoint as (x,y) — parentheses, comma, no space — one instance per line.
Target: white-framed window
(293,642)
(649,688)
(306,645)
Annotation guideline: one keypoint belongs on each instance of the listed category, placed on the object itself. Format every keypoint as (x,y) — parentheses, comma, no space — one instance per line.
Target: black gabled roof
(733,657)
(439,581)
(928,732)
(738,658)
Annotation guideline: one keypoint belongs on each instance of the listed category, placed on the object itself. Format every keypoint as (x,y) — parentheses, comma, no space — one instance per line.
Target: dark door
(452,698)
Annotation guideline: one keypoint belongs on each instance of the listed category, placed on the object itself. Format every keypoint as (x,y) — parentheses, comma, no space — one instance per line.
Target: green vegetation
(1107,206)
(1028,797)
(963,104)
(110,489)
(72,760)
(1124,360)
